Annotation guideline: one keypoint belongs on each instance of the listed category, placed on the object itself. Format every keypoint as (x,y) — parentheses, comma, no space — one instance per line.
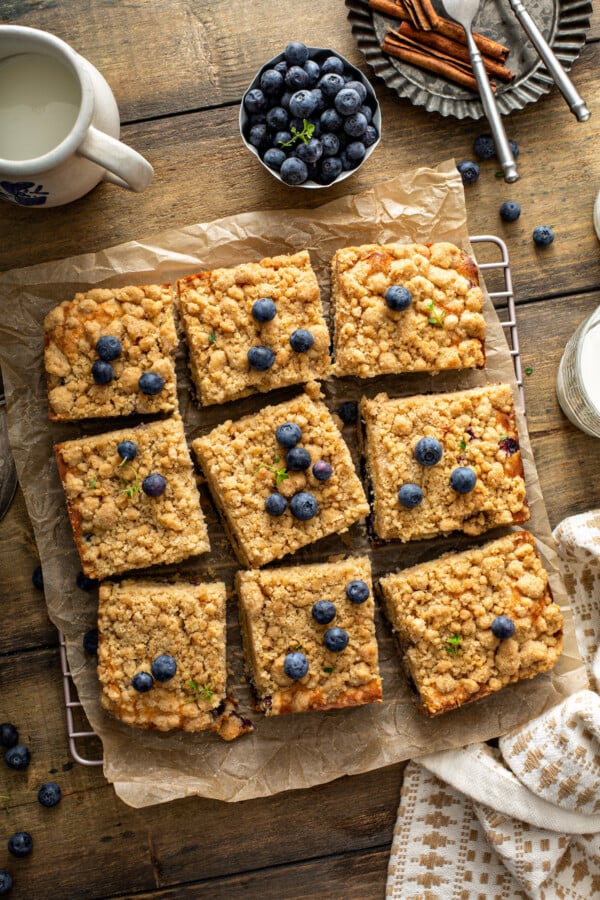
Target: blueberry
(90,641)
(303,103)
(258,136)
(296,78)
(311,151)
(347,102)
(277,118)
(510,211)
(151,383)
(163,667)
(17,757)
(102,372)
(355,125)
(336,639)
(303,506)
(20,843)
(514,147)
(543,235)
(301,340)
(296,53)
(332,64)
(370,136)
(348,412)
(49,794)
(108,347)
(428,451)
(503,627)
(154,485)
(367,112)
(293,171)
(127,450)
(6,883)
(322,470)
(260,358)
(281,66)
(355,152)
(257,119)
(323,612)
(263,309)
(321,104)
(142,682)
(295,665)
(331,84)
(282,137)
(37,578)
(313,70)
(255,101)
(275,504)
(330,169)
(297,459)
(85,583)
(331,120)
(330,143)
(359,87)
(271,82)
(484,146)
(357,591)
(9,736)
(398,298)
(288,435)
(463,480)
(469,171)
(410,495)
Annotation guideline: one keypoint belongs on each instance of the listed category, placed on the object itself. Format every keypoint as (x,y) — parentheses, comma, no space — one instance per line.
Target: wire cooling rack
(494,262)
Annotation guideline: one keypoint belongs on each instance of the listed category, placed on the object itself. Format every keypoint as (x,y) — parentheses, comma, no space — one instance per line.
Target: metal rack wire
(498,267)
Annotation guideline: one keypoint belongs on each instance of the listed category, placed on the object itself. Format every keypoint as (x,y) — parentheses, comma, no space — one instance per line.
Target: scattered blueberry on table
(49,794)
(510,211)
(17,757)
(6,883)
(20,843)
(9,736)
(484,147)
(543,235)
(469,171)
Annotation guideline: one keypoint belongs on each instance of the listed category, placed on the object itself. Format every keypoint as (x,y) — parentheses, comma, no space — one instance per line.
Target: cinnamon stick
(425,60)
(452,49)
(417,16)
(429,12)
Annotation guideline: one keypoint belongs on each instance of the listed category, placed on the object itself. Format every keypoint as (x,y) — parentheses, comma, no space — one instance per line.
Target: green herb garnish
(453,644)
(304,135)
(463,445)
(328,669)
(212,338)
(132,485)
(92,482)
(435,318)
(280,472)
(499,175)
(529,370)
(200,692)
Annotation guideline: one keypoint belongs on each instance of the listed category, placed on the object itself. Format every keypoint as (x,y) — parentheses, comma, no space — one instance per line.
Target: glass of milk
(578,379)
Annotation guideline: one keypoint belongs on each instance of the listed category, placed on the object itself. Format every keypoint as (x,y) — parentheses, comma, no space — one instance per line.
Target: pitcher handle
(124,166)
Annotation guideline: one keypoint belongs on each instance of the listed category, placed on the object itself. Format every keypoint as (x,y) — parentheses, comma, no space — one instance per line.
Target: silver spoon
(463,12)
(8,472)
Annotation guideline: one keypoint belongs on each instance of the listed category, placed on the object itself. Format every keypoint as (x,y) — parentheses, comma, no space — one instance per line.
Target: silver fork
(463,12)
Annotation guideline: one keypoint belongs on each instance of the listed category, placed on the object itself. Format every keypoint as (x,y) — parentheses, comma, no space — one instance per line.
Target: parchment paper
(290,751)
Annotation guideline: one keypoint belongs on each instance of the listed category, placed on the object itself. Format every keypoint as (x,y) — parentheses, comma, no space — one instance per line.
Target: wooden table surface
(178,70)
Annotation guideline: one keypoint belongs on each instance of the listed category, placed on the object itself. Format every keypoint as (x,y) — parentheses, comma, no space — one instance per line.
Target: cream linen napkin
(522,820)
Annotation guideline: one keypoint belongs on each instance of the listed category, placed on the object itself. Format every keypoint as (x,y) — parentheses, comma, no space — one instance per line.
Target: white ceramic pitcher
(89,152)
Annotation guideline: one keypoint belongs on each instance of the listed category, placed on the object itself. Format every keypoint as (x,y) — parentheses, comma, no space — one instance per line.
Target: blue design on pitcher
(23,193)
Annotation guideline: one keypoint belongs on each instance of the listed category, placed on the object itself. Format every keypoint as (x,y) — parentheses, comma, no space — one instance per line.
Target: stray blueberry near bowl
(17,757)
(323,612)
(154,485)
(322,470)
(288,435)
(469,171)
(20,843)
(503,627)
(336,639)
(85,583)
(263,310)
(484,146)
(108,347)
(9,736)
(127,450)
(142,682)
(102,372)
(49,794)
(275,504)
(37,578)
(510,211)
(304,506)
(296,53)
(348,412)
(163,667)
(295,665)
(293,171)
(357,591)
(463,480)
(297,459)
(260,358)
(398,298)
(301,340)
(428,451)
(90,641)
(543,235)
(6,883)
(151,383)
(410,495)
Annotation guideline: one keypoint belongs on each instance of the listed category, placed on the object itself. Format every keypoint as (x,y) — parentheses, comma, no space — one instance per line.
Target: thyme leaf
(453,644)
(305,135)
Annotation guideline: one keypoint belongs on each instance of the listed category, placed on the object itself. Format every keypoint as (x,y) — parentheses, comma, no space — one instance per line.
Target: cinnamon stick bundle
(452,50)
(410,52)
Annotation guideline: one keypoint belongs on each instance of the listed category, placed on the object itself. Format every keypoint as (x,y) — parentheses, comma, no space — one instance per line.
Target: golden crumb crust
(142,319)
(443,328)
(216,313)
(244,464)
(139,620)
(442,613)
(116,526)
(477,429)
(276,617)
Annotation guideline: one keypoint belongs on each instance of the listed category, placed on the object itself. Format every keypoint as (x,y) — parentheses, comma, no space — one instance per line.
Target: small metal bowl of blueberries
(310,117)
